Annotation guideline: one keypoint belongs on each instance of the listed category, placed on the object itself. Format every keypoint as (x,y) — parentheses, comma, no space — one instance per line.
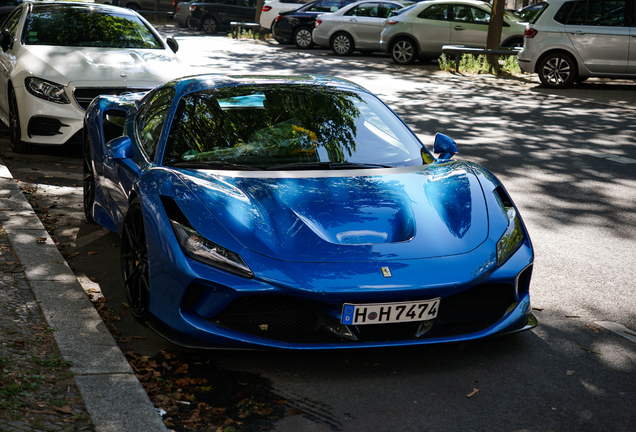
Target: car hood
(64,65)
(403,213)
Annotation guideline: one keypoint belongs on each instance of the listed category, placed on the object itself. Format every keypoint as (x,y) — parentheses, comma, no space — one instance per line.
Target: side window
(480,16)
(462,13)
(11,24)
(435,12)
(562,15)
(609,13)
(151,119)
(386,10)
(364,10)
(325,6)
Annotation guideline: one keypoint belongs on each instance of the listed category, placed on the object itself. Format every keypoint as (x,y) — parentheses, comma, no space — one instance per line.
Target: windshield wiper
(325,166)
(215,165)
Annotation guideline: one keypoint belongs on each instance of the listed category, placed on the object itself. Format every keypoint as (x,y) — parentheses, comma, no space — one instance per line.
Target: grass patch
(476,65)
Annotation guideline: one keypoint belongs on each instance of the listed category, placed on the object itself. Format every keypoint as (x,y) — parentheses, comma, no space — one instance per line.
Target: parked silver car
(355,27)
(421,30)
(569,41)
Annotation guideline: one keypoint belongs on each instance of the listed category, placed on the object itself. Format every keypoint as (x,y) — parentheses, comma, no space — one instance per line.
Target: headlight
(511,239)
(46,90)
(202,249)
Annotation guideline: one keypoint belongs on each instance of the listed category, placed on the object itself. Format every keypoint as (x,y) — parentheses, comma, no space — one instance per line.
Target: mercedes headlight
(511,240)
(201,249)
(46,90)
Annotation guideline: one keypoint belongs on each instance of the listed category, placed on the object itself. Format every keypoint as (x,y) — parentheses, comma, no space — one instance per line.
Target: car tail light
(278,17)
(266,8)
(318,22)
(530,33)
(391,22)
(191,8)
(178,8)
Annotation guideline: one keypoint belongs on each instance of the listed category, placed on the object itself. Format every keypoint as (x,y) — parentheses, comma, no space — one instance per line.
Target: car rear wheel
(514,43)
(403,51)
(557,70)
(134,262)
(210,25)
(302,38)
(342,44)
(88,183)
(15,134)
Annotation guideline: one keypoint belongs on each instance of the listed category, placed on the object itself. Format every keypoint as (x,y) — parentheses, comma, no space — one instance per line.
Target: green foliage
(479,64)
(53,362)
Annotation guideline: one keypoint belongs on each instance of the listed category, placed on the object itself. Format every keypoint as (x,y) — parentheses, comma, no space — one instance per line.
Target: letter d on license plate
(384,313)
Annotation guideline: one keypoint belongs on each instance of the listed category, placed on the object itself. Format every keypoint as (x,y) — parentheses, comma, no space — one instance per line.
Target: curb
(113,396)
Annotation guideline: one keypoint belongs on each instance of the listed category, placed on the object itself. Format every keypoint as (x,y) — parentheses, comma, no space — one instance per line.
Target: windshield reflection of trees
(82,26)
(293,125)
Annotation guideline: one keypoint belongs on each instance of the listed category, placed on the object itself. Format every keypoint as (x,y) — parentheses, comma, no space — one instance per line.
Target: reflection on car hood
(67,64)
(419,212)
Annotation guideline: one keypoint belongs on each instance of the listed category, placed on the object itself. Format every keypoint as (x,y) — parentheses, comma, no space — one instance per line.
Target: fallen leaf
(66,409)
(59,262)
(93,253)
(472,393)
(537,309)
(594,329)
(572,316)
(591,350)
(41,239)
(570,373)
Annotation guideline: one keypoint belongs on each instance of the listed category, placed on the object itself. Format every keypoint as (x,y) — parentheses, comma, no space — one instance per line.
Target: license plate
(385,313)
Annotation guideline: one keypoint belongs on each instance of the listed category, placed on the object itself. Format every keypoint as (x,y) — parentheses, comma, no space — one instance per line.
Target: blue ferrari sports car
(302,213)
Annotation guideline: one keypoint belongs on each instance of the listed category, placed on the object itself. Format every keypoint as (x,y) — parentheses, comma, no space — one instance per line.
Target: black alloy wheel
(15,133)
(88,182)
(403,52)
(514,43)
(134,262)
(210,25)
(557,70)
(342,44)
(302,38)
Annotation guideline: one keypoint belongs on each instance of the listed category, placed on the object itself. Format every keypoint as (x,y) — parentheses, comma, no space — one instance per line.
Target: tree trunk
(493,39)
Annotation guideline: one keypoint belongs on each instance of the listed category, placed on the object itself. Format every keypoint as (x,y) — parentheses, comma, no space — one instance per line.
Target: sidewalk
(38,285)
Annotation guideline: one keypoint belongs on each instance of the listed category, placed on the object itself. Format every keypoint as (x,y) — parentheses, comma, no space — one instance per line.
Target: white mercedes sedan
(57,57)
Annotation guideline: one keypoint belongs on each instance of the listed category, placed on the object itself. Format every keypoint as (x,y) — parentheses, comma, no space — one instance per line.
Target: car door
(364,23)
(431,27)
(469,26)
(8,59)
(600,34)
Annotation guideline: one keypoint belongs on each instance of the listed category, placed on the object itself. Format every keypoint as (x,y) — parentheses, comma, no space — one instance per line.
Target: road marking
(618,329)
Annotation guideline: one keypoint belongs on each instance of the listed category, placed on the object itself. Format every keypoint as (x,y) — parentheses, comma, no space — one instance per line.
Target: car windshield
(71,25)
(287,127)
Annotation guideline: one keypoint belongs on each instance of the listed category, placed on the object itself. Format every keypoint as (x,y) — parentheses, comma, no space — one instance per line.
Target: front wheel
(403,52)
(342,44)
(134,262)
(557,70)
(210,25)
(88,183)
(302,38)
(15,133)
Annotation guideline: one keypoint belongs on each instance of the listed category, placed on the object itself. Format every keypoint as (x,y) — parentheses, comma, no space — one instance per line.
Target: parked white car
(355,27)
(569,41)
(271,9)
(421,30)
(57,57)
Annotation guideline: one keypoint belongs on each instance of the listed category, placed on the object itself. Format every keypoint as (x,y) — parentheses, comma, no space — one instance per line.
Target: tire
(342,44)
(580,80)
(302,38)
(134,262)
(514,43)
(88,183)
(15,133)
(184,25)
(210,25)
(557,70)
(192,26)
(403,52)
(281,41)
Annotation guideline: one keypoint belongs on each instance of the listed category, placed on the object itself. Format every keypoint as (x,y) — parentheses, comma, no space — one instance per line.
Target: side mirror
(6,42)
(445,146)
(120,148)
(172,44)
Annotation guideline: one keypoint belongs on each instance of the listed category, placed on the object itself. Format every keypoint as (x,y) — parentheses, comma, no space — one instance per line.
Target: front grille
(267,314)
(84,95)
(483,302)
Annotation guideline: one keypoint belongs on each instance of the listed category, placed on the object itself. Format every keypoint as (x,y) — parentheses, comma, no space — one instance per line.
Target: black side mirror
(172,43)
(6,41)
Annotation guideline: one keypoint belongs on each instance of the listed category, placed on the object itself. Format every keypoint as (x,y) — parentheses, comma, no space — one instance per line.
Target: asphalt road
(571,168)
